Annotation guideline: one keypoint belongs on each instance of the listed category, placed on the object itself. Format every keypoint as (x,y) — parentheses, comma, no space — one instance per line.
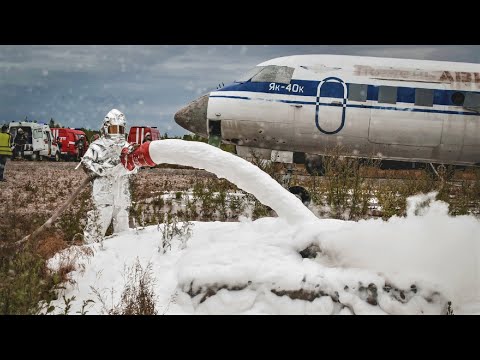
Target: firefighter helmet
(114,124)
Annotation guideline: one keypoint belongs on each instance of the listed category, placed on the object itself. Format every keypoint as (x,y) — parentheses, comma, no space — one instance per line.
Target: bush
(25,283)
(138,296)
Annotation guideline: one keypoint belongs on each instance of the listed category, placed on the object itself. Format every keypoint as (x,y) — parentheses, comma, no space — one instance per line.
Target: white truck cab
(40,141)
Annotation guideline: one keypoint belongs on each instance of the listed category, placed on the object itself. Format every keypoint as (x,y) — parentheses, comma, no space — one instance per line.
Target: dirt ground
(39,187)
(55,181)
(35,189)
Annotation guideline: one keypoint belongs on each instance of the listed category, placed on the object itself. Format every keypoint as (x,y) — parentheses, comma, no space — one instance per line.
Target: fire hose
(246,176)
(242,173)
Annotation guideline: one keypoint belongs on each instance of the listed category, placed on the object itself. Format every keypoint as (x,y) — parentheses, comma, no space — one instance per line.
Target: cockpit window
(271,73)
(249,74)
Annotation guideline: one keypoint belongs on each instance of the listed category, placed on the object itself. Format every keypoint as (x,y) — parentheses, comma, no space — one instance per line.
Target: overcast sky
(77,85)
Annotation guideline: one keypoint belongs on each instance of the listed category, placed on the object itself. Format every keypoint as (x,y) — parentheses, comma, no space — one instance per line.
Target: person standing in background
(148,137)
(19,141)
(5,149)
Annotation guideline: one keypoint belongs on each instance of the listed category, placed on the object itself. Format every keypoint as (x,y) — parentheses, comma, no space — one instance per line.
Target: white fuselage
(399,109)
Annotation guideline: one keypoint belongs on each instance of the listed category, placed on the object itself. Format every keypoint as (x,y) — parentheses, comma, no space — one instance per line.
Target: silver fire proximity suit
(111,193)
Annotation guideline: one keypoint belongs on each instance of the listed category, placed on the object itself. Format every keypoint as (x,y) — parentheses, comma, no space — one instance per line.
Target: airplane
(294,109)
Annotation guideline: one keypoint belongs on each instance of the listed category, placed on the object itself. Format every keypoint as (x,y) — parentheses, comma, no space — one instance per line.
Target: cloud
(201,91)
(190,86)
(79,84)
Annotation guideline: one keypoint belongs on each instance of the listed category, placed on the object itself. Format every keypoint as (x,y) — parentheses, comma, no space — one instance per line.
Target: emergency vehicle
(137,134)
(40,141)
(68,139)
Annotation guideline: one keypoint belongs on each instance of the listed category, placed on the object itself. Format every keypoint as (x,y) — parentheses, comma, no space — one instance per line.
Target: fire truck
(69,139)
(137,134)
(40,140)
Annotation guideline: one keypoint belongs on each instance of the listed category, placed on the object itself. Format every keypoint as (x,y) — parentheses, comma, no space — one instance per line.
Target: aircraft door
(330,105)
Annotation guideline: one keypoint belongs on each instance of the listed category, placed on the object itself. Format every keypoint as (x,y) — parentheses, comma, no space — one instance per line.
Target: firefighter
(80,145)
(111,193)
(5,149)
(148,137)
(59,144)
(19,141)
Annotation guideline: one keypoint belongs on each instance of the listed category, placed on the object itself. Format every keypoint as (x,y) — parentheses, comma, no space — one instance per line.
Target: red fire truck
(137,133)
(69,142)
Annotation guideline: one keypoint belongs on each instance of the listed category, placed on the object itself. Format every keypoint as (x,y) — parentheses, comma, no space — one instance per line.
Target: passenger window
(458,98)
(273,73)
(424,97)
(387,94)
(357,92)
(472,101)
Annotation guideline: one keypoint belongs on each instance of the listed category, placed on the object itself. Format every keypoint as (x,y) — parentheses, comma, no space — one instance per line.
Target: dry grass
(50,243)
(138,296)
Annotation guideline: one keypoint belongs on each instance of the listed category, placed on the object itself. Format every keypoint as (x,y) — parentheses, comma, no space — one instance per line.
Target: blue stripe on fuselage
(453,112)
(335,90)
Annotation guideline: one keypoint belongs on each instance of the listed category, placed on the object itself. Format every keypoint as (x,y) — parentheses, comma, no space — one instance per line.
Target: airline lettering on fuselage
(294,88)
(419,75)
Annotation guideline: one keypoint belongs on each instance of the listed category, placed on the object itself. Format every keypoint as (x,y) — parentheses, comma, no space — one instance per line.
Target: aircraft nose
(193,117)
